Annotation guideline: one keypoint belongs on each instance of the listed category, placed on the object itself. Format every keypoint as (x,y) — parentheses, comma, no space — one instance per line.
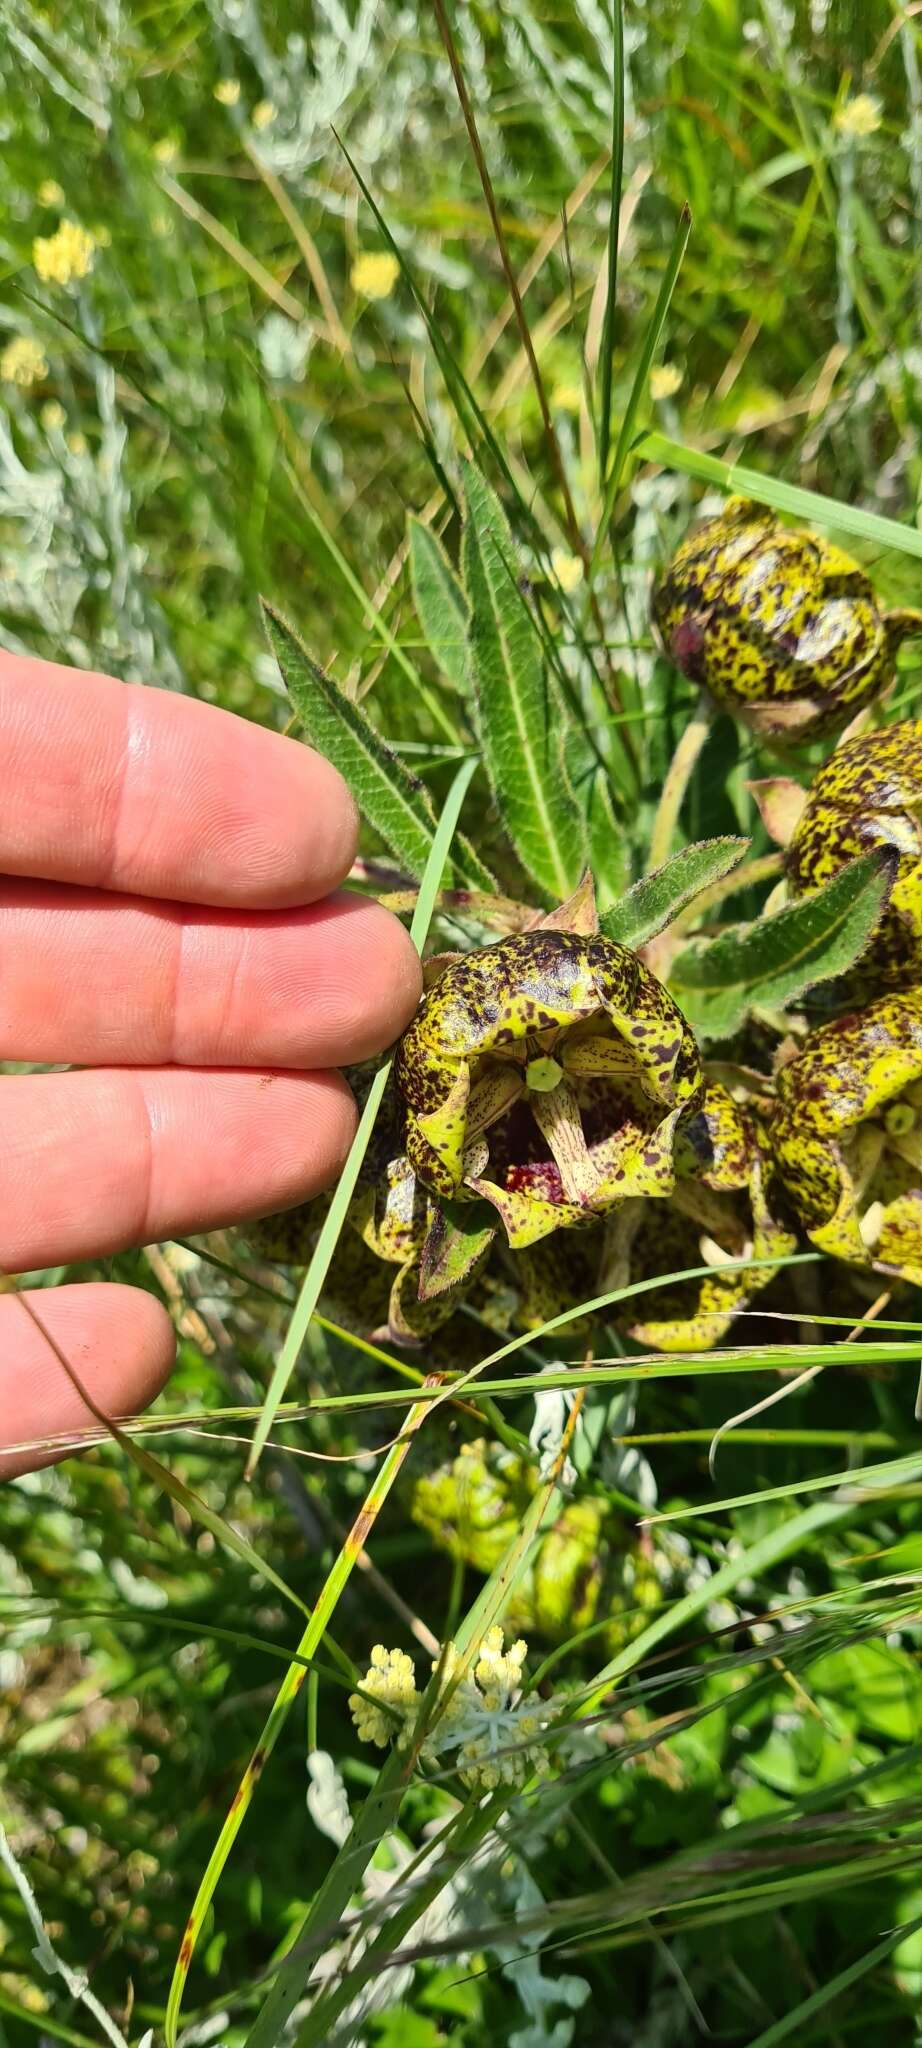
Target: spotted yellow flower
(568,570)
(859,116)
(665,381)
(23,362)
(374,274)
(50,193)
(547,1074)
(263,114)
(53,416)
(65,256)
(227,92)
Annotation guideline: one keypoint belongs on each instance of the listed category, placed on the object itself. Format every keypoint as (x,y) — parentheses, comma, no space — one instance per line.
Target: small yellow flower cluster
(568,570)
(859,116)
(665,381)
(374,274)
(497,1737)
(499,1672)
(64,256)
(23,362)
(390,1678)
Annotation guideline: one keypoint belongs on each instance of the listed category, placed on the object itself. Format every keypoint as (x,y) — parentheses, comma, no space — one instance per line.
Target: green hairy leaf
(773,961)
(440,605)
(521,714)
(395,803)
(658,898)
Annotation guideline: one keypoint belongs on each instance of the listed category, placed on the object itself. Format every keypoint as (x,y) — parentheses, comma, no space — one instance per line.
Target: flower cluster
(552,1132)
(23,362)
(66,256)
(548,1084)
(481,1718)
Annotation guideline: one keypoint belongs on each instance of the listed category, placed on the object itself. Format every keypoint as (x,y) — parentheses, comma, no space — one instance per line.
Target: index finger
(114,785)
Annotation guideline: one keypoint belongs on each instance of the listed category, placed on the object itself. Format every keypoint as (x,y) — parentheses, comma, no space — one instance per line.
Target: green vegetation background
(222,411)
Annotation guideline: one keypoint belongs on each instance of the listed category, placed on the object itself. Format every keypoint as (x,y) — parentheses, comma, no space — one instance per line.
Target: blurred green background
(224,390)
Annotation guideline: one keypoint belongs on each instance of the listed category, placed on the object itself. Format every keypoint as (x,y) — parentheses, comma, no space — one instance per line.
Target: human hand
(167,926)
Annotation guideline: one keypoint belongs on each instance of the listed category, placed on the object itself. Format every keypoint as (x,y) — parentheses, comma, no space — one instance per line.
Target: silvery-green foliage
(284,347)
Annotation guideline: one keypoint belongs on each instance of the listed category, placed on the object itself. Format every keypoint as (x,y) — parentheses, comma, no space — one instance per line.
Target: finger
(118,787)
(89,978)
(93,1162)
(118,1343)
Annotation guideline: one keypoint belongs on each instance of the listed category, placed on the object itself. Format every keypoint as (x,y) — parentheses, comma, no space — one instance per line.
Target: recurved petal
(855,1065)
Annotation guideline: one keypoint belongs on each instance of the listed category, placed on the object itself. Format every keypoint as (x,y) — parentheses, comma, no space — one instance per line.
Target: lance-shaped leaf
(520,709)
(656,900)
(440,605)
(772,962)
(395,803)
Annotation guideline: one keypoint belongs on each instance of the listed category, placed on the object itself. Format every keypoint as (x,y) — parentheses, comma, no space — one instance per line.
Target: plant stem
(680,773)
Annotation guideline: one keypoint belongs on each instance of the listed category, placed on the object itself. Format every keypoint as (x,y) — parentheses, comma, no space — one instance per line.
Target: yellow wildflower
(50,193)
(665,381)
(227,91)
(65,255)
(566,398)
(23,362)
(52,416)
(498,1672)
(374,274)
(568,570)
(390,1678)
(859,116)
(77,443)
(166,150)
(263,114)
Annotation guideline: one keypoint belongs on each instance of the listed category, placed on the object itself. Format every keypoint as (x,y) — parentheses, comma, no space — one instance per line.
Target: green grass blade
(826,1993)
(326,1244)
(811,506)
(857,1478)
(284,1701)
(750,1562)
(641,378)
(614,211)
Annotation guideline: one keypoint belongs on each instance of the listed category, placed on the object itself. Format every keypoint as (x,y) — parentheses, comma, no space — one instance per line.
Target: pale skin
(171,926)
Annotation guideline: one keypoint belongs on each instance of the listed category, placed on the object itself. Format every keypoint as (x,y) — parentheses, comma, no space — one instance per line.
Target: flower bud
(782,628)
